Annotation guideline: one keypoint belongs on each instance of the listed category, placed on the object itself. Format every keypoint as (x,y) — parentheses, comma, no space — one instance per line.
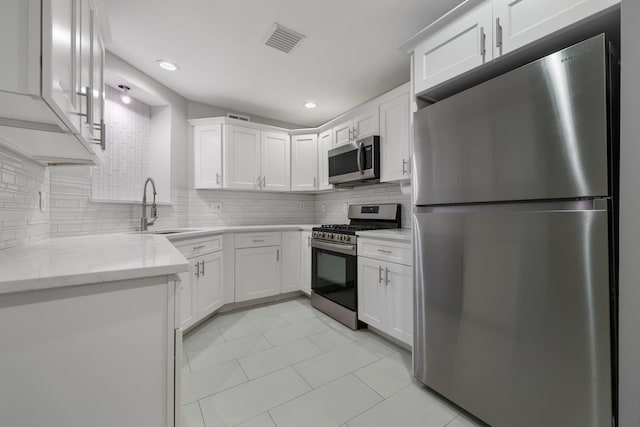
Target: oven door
(334,272)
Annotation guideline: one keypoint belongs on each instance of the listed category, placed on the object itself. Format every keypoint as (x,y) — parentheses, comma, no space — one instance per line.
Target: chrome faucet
(144,221)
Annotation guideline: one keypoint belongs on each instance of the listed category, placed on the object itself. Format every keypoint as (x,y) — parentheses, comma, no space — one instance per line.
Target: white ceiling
(349,56)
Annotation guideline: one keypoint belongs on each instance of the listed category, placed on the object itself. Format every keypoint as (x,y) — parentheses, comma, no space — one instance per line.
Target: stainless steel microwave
(356,163)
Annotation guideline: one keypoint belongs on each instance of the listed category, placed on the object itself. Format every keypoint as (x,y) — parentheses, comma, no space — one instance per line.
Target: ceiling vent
(238,117)
(282,38)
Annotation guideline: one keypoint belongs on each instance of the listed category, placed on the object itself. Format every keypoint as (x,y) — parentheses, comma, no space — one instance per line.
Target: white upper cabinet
(207,154)
(342,133)
(366,123)
(51,81)
(524,21)
(394,139)
(463,44)
(304,162)
(242,158)
(480,31)
(276,161)
(325,143)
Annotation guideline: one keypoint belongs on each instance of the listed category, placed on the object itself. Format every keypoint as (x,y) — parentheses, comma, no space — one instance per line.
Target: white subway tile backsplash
(21,220)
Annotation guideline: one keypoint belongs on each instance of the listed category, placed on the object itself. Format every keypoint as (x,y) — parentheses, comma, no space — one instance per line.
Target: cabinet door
(460,46)
(61,59)
(20,26)
(524,21)
(276,161)
(304,162)
(241,148)
(325,143)
(366,123)
(399,284)
(97,78)
(210,284)
(207,156)
(189,295)
(305,284)
(343,133)
(85,73)
(291,261)
(394,139)
(371,293)
(257,272)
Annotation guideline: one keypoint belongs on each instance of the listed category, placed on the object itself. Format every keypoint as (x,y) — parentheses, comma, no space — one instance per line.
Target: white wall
(629,333)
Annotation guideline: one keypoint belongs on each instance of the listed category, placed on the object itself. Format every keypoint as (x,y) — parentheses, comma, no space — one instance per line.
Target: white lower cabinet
(305,253)
(291,261)
(385,296)
(202,288)
(258,272)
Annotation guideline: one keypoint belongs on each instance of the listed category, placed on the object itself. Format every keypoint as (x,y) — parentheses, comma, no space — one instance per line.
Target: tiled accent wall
(239,207)
(21,220)
(330,206)
(73,212)
(126,162)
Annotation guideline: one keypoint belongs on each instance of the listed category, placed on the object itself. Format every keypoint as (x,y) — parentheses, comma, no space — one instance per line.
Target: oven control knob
(328,236)
(314,234)
(345,238)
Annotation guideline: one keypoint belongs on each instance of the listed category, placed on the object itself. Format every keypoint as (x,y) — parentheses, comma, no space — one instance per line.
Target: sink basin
(171,231)
(166,232)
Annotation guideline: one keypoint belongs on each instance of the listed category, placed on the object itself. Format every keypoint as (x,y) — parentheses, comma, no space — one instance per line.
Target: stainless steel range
(334,279)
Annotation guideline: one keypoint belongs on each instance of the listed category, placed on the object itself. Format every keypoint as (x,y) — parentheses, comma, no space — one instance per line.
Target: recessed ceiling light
(310,104)
(166,65)
(125,98)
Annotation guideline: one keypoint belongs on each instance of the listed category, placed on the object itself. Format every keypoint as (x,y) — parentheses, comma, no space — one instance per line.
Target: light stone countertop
(98,258)
(78,260)
(401,234)
(193,232)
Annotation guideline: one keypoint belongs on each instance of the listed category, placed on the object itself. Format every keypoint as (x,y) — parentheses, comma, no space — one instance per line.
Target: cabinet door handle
(278,255)
(380,274)
(404,166)
(483,44)
(217,178)
(499,35)
(88,96)
(195,248)
(264,181)
(386,277)
(314,182)
(102,141)
(197,266)
(202,264)
(308,241)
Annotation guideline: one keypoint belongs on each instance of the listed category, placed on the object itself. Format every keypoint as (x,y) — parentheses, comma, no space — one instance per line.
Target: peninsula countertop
(98,258)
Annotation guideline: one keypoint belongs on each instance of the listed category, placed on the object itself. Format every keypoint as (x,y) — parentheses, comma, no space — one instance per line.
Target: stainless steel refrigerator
(514,194)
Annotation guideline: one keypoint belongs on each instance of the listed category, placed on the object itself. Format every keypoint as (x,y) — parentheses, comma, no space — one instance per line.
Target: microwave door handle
(360,147)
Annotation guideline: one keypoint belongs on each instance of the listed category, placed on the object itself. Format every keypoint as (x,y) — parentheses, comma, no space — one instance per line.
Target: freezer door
(512,315)
(538,132)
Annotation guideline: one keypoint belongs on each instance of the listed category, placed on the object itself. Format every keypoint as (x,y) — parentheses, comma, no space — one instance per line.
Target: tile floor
(289,365)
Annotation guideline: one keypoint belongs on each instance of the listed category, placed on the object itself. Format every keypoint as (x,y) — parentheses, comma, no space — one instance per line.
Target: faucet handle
(154,211)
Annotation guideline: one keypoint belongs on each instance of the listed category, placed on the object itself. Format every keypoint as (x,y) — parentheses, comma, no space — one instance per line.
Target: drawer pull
(384,251)
(195,248)
(258,240)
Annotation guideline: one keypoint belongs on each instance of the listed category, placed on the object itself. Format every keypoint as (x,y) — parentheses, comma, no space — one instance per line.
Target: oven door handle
(335,247)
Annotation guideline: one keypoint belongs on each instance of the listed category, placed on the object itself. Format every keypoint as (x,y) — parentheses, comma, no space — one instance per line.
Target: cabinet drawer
(257,240)
(397,252)
(194,247)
